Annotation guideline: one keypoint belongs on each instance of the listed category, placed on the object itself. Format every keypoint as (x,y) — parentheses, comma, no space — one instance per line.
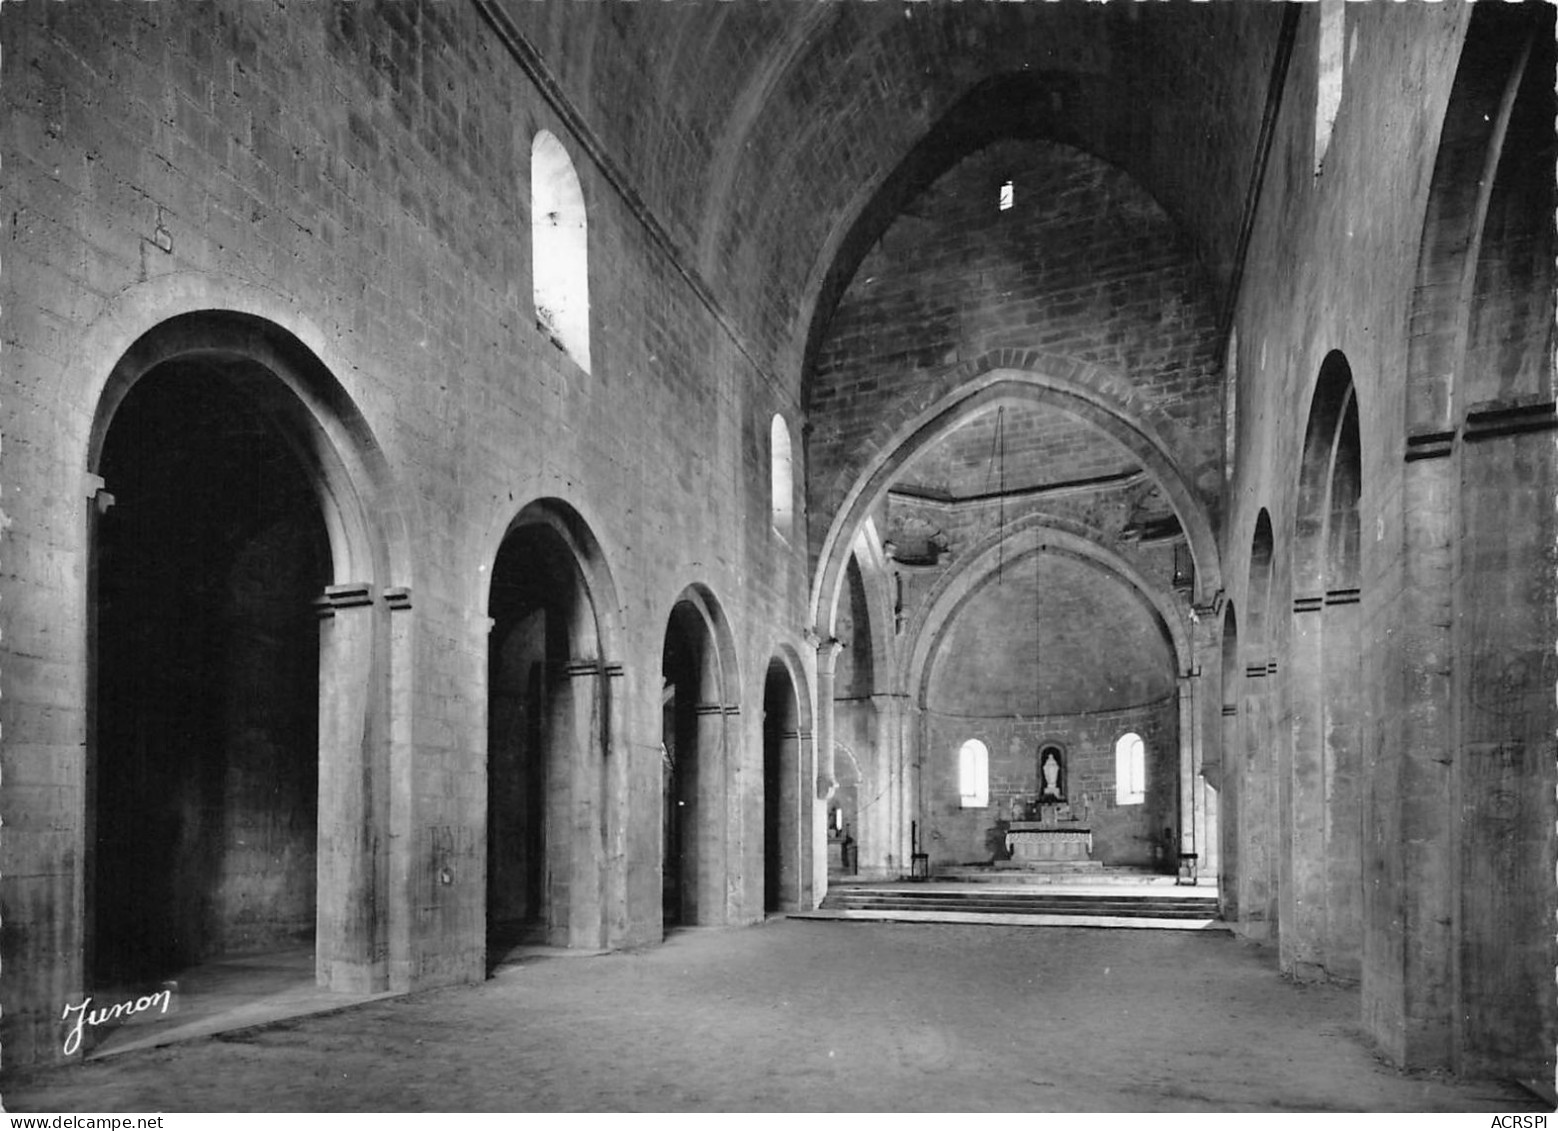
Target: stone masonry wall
(357,175)
(1083,266)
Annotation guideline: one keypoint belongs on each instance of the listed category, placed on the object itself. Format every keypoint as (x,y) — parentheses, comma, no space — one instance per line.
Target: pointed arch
(1006,377)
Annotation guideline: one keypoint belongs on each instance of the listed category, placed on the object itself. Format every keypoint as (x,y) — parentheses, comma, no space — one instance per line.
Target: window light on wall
(1330,70)
(781,475)
(559,248)
(973,775)
(1130,770)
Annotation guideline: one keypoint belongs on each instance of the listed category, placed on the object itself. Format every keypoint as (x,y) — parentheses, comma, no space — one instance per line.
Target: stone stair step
(1037,903)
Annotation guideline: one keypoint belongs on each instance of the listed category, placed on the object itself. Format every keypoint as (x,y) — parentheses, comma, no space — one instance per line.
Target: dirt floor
(827,1016)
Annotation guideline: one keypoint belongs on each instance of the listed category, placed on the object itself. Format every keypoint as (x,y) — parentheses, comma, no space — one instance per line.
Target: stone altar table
(1041,842)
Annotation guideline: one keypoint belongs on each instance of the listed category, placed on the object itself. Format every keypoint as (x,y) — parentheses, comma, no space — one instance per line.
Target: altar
(1048,842)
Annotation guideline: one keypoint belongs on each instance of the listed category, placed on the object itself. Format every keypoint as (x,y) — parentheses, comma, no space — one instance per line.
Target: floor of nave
(799,1015)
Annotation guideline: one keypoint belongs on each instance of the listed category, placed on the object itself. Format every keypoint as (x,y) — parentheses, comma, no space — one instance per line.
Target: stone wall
(354,180)
(1128,835)
(1338,273)
(1083,268)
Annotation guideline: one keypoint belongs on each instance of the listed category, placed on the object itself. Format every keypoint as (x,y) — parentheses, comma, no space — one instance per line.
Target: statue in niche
(1052,779)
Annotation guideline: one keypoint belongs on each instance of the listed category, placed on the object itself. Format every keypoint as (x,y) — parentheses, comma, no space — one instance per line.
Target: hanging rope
(997,470)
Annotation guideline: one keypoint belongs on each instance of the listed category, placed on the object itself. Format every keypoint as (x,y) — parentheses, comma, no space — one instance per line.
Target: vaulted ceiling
(775,139)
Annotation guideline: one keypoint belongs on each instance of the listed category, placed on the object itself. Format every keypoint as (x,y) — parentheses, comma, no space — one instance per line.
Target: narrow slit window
(781,476)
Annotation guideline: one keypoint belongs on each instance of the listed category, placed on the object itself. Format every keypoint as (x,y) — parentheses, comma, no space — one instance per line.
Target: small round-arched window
(973,775)
(1130,770)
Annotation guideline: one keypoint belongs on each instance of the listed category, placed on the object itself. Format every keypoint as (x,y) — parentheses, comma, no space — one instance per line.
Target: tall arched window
(1331,66)
(973,775)
(1130,770)
(559,247)
(781,475)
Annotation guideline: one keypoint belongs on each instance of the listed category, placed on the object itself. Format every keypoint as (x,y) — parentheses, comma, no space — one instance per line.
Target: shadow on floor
(231,992)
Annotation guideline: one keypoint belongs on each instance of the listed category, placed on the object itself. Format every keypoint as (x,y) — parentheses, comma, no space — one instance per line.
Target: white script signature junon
(163,997)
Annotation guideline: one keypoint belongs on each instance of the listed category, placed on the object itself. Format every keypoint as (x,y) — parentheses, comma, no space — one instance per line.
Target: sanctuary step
(1120,904)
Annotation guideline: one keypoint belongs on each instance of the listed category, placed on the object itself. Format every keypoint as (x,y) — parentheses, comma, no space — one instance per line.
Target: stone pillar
(1343,718)
(1189,825)
(703,857)
(905,784)
(792,796)
(402,791)
(1303,898)
(1206,640)
(807,894)
(1256,833)
(1231,790)
(1504,777)
(351,952)
(583,772)
(827,654)
(733,825)
(1408,901)
(616,919)
(826,782)
(560,749)
(878,814)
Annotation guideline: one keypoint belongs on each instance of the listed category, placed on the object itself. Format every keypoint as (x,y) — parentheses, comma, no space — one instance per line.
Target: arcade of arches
(486,473)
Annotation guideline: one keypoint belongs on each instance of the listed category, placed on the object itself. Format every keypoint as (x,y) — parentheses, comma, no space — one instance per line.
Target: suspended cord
(997,467)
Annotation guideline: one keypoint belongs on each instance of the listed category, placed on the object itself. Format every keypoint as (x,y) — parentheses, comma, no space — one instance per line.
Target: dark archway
(693,746)
(545,742)
(783,790)
(210,551)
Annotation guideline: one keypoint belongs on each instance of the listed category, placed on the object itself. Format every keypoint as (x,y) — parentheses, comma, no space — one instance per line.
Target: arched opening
(783,792)
(1325,678)
(858,807)
(204,817)
(545,745)
(559,244)
(276,509)
(986,389)
(781,477)
(693,746)
(1085,655)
